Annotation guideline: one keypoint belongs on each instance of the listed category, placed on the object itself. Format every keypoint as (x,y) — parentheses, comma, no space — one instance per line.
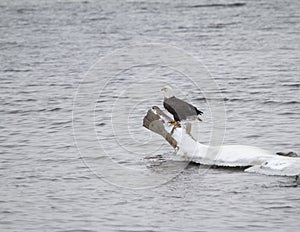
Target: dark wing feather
(171,110)
(180,109)
(198,111)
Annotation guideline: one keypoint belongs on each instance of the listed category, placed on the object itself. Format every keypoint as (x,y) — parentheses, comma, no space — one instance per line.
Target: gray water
(49,183)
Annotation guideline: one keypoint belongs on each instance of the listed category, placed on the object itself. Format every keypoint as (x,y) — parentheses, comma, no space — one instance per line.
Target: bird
(180,109)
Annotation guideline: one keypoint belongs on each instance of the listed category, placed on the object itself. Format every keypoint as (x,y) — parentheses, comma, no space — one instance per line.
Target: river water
(58,175)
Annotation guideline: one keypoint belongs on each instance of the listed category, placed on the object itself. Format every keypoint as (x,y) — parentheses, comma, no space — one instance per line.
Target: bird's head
(168,92)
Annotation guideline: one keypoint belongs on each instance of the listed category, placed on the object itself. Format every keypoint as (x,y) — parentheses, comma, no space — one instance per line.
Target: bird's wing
(180,107)
(171,109)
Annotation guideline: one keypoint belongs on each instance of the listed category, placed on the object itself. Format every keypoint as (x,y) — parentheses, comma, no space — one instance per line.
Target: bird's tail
(199,117)
(199,114)
(198,111)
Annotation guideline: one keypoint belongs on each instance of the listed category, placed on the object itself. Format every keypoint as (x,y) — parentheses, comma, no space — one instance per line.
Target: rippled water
(250,48)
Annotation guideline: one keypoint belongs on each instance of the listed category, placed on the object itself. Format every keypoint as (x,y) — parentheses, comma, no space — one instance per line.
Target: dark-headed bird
(180,109)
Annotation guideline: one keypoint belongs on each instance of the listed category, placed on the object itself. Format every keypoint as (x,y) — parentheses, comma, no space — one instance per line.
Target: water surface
(251,48)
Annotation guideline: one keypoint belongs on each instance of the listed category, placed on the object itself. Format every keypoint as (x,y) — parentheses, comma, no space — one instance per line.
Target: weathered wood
(154,121)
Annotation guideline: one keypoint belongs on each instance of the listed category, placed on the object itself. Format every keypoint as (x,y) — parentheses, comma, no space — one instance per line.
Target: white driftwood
(259,160)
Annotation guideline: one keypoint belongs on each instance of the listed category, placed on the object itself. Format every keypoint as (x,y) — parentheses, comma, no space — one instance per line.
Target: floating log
(254,159)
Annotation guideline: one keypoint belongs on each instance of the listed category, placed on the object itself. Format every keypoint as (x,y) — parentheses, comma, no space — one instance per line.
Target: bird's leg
(175,123)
